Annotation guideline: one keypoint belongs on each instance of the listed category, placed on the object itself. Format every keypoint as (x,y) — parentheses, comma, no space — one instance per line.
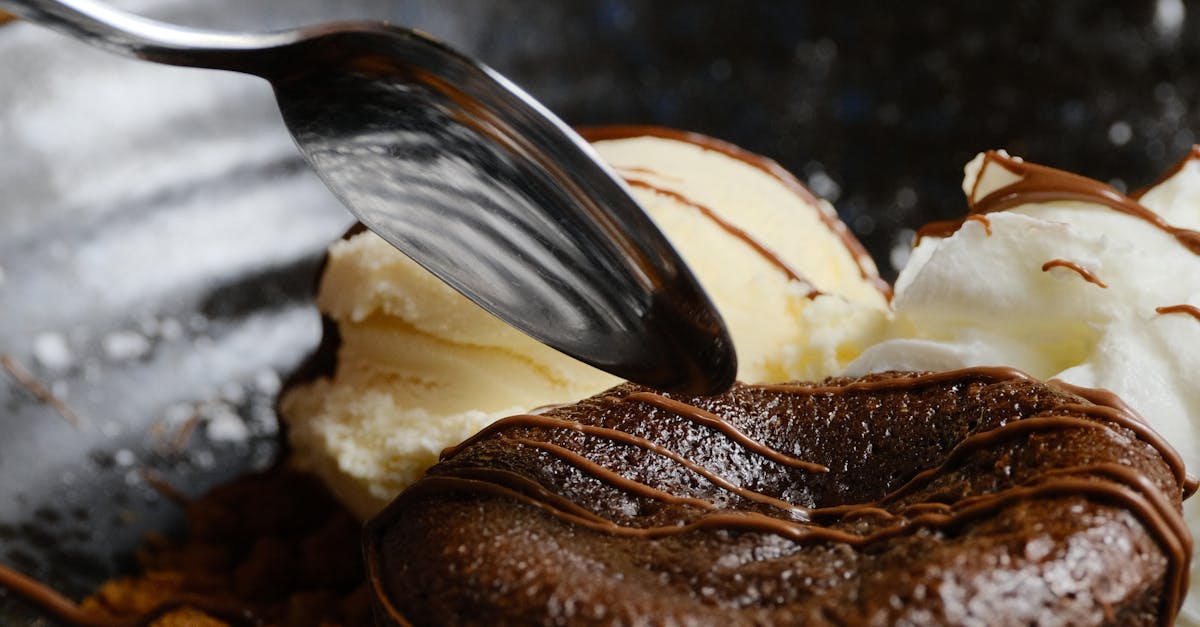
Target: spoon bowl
(467,175)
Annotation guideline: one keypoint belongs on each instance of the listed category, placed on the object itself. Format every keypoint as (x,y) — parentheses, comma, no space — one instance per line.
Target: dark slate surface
(158,232)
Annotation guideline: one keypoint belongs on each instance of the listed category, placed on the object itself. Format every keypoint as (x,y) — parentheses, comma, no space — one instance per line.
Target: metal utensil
(469,176)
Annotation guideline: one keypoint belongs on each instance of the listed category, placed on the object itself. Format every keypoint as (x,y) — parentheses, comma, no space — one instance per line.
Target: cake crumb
(188,617)
(273,549)
(38,389)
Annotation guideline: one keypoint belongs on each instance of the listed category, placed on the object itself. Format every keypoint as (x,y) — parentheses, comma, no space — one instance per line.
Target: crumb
(179,441)
(275,549)
(160,484)
(188,617)
(38,389)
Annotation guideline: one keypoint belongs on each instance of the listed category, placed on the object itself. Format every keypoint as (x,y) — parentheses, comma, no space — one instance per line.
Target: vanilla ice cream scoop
(420,368)
(1064,277)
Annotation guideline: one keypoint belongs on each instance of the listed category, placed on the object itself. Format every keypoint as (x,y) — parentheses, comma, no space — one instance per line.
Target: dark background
(879,105)
(158,232)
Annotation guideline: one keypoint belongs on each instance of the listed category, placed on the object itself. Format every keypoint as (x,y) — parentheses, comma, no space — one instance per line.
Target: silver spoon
(469,176)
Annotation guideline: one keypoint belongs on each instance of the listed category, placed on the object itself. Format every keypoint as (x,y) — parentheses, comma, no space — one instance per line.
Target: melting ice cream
(421,368)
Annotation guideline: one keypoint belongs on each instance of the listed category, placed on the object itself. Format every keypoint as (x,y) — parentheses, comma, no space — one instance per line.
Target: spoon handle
(130,35)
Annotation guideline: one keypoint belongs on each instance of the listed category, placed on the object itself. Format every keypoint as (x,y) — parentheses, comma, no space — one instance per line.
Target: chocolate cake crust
(978,496)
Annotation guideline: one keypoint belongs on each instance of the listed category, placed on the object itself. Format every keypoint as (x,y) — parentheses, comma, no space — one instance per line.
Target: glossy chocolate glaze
(1039,183)
(903,479)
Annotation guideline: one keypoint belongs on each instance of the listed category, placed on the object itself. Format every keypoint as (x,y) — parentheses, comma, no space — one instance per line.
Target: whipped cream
(1071,281)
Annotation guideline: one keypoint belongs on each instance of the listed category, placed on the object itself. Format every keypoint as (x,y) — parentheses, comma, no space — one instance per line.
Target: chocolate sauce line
(380,594)
(1039,183)
(1108,407)
(519,483)
(1125,496)
(964,448)
(1104,398)
(612,478)
(1177,555)
(1190,310)
(858,510)
(931,506)
(861,257)
(1145,433)
(1008,431)
(1129,498)
(519,420)
(987,374)
(1148,489)
(632,169)
(982,219)
(739,233)
(1118,411)
(1078,269)
(713,421)
(866,511)
(1122,413)
(1172,171)
(986,439)
(1177,544)
(1107,482)
(796,512)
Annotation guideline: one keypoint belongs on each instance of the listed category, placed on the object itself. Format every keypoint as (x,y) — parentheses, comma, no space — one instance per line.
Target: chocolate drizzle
(984,220)
(991,374)
(898,512)
(727,226)
(1113,408)
(1039,183)
(1122,487)
(621,437)
(1078,269)
(626,171)
(717,423)
(1193,155)
(866,266)
(1190,310)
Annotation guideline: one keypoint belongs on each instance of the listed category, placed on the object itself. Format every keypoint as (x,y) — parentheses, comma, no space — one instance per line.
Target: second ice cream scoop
(470,177)
(408,367)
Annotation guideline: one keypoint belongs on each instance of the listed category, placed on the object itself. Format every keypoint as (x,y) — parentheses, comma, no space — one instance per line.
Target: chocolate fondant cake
(977,496)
